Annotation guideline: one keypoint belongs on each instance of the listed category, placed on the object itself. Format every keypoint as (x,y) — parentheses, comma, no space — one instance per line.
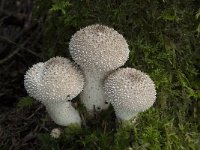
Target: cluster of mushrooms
(100,51)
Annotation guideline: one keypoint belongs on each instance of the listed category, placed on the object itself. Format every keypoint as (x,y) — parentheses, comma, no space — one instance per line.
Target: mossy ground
(163,38)
(164,43)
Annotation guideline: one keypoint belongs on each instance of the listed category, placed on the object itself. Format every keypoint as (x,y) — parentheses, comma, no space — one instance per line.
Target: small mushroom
(130,91)
(54,83)
(98,50)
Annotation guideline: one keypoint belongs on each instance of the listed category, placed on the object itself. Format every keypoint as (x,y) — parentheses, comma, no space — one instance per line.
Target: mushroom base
(93,95)
(124,115)
(63,113)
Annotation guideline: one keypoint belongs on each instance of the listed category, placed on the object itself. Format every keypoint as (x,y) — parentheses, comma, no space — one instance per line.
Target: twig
(10,56)
(37,38)
(2,4)
(34,112)
(17,50)
(5,12)
(17,16)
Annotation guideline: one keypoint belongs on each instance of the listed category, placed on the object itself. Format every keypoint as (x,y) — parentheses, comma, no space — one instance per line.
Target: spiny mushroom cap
(58,81)
(99,47)
(61,80)
(130,89)
(32,80)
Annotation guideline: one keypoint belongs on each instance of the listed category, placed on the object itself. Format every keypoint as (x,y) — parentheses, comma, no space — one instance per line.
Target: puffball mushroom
(130,91)
(98,50)
(55,83)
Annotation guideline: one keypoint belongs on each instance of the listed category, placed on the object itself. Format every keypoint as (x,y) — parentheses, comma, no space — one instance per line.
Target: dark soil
(20,37)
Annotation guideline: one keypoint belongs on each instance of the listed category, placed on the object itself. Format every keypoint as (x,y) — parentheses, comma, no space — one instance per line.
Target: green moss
(163,42)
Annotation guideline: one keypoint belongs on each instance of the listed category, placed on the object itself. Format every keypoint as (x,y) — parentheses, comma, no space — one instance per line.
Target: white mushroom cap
(54,81)
(32,80)
(61,80)
(130,91)
(99,47)
(55,133)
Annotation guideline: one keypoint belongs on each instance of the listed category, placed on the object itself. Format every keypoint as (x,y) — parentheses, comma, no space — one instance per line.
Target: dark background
(164,41)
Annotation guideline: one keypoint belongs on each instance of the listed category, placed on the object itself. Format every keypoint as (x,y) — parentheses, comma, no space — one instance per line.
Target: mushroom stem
(55,83)
(97,49)
(130,92)
(125,115)
(93,96)
(63,113)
